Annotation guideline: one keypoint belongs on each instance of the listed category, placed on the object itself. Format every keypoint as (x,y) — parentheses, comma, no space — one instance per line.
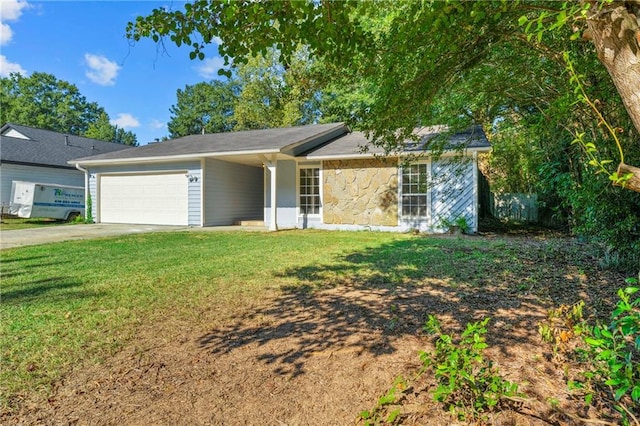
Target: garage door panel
(154,199)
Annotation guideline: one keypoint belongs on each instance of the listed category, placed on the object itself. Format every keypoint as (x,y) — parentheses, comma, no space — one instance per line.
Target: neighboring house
(42,156)
(313,176)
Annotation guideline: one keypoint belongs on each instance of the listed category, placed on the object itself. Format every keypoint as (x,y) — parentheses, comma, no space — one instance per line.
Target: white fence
(515,207)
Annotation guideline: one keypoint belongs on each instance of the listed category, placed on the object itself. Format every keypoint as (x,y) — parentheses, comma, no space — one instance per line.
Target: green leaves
(523,20)
(102,129)
(467,383)
(551,21)
(613,350)
(204,108)
(43,101)
(377,415)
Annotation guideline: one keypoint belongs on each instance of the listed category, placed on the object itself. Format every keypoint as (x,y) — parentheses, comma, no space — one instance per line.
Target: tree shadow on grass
(53,288)
(364,301)
(16,270)
(7,259)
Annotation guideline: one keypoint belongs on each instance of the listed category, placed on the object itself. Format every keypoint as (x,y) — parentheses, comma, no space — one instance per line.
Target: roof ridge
(18,127)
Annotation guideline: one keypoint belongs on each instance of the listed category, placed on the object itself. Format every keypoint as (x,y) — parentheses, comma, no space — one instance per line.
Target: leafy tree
(259,104)
(204,108)
(43,101)
(345,101)
(125,137)
(103,130)
(403,46)
(500,63)
(276,94)
(264,93)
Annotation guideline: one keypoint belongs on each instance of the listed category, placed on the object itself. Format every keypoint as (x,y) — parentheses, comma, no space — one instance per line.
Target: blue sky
(83,42)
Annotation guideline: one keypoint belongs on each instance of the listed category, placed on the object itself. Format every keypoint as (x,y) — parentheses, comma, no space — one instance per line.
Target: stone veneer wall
(360,192)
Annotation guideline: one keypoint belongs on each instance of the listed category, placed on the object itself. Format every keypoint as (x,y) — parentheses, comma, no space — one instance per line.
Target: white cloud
(210,66)
(157,124)
(125,120)
(6,34)
(10,10)
(101,70)
(7,67)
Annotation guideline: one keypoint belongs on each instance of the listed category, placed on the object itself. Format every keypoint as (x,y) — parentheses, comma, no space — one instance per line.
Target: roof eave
(26,163)
(169,158)
(297,148)
(365,155)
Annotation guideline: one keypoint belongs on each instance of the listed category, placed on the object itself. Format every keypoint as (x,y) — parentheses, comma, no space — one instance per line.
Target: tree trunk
(615,29)
(634,182)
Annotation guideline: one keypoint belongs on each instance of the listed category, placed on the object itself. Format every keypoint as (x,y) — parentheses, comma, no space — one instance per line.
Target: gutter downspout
(86,190)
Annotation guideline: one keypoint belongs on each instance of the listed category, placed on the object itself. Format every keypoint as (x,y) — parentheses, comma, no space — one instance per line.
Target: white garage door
(152,199)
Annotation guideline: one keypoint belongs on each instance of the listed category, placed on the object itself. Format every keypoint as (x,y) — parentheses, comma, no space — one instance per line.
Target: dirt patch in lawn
(321,353)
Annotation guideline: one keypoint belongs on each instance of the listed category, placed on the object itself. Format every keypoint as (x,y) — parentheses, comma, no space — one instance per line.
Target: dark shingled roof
(48,148)
(289,140)
(351,144)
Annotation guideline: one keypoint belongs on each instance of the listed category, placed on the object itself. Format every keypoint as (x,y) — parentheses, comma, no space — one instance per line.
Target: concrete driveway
(51,234)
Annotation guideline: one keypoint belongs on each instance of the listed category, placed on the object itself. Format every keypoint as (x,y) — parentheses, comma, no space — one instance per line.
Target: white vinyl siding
(233,192)
(452,194)
(432,193)
(10,172)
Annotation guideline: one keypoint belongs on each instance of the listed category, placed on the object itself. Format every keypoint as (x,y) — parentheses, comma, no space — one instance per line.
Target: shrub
(609,353)
(468,384)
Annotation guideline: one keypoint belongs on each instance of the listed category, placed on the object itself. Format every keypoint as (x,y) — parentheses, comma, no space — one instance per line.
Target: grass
(72,301)
(79,301)
(11,223)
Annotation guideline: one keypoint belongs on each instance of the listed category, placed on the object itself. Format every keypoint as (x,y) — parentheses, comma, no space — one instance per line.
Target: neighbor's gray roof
(352,144)
(289,140)
(48,148)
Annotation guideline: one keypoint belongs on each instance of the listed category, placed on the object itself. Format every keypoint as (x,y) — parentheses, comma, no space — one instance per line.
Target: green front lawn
(9,224)
(66,302)
(79,301)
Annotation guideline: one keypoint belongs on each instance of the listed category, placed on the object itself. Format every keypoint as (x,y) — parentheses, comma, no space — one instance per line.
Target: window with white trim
(414,190)
(309,186)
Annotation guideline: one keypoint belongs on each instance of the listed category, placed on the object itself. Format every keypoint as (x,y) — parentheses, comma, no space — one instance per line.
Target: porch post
(273,223)
(476,210)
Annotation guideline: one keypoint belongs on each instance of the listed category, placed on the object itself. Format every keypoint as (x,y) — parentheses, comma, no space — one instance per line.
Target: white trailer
(30,199)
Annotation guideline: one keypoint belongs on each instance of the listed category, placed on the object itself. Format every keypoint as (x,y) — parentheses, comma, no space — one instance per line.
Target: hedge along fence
(514,207)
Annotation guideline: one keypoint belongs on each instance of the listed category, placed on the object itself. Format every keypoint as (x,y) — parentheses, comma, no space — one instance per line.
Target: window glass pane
(414,190)
(309,187)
